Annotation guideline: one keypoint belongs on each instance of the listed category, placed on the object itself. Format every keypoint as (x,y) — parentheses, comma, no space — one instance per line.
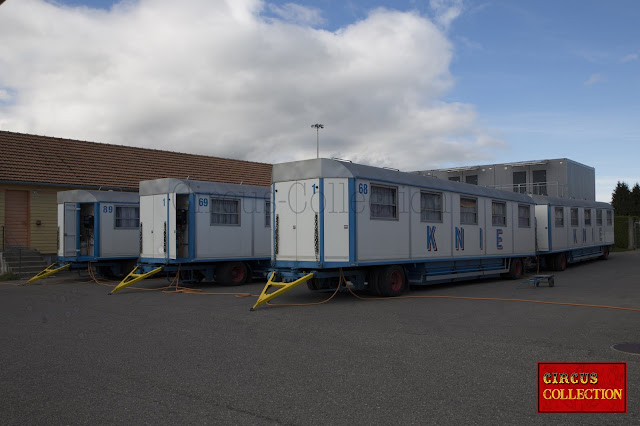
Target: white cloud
(297,14)
(595,78)
(217,78)
(446,11)
(630,57)
(5,96)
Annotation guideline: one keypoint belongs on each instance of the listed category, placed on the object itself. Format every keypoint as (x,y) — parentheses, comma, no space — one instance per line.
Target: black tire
(232,273)
(551,282)
(560,262)
(372,279)
(516,269)
(605,253)
(391,281)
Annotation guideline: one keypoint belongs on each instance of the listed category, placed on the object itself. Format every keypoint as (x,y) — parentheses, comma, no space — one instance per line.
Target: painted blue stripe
(352,220)
(168,228)
(96,229)
(191,224)
(570,249)
(313,265)
(321,219)
(162,261)
(549,224)
(77,249)
(273,222)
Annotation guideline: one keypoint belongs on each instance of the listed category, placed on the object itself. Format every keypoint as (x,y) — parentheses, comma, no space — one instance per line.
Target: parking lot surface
(71,354)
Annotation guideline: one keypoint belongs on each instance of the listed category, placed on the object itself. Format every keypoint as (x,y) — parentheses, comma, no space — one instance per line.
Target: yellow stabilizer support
(50,270)
(283,287)
(133,278)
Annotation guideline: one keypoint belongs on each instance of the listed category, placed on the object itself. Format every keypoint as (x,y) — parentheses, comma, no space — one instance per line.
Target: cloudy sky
(408,84)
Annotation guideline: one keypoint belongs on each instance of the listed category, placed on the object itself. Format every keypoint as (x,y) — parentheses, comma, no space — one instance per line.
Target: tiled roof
(43,159)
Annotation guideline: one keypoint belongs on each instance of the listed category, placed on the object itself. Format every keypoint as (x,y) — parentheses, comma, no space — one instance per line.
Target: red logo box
(599,387)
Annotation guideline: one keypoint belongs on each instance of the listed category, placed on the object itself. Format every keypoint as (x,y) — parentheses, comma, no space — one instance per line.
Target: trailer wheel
(515,271)
(605,253)
(560,262)
(372,278)
(391,282)
(232,273)
(551,282)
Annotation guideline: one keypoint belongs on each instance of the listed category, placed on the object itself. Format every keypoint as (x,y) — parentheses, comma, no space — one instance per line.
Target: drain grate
(631,348)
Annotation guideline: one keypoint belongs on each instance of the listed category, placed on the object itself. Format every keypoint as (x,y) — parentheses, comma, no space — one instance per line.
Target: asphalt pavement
(72,354)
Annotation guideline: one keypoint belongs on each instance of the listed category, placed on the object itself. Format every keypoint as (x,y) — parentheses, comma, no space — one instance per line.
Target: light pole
(317,127)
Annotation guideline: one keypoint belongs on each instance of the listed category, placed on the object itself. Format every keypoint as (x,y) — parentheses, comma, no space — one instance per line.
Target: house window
(472,179)
(127,217)
(587,217)
(559,215)
(267,214)
(599,217)
(498,214)
(468,211)
(454,178)
(574,217)
(520,182)
(225,211)
(539,178)
(524,216)
(609,218)
(383,202)
(430,207)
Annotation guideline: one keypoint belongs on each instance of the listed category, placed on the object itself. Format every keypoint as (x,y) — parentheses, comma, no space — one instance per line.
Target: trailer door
(171,226)
(70,229)
(285,199)
(308,235)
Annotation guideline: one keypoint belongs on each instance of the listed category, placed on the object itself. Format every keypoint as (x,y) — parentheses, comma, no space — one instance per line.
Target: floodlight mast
(317,126)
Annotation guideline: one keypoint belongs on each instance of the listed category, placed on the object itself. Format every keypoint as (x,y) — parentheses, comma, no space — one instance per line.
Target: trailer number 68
(363,188)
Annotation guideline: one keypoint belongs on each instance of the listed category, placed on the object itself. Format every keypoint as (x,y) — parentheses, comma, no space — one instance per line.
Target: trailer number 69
(203,202)
(363,188)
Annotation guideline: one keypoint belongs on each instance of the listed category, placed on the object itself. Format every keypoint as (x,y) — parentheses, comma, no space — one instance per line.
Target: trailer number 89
(363,188)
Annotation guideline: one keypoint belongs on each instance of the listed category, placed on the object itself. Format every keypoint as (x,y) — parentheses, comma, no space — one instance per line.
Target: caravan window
(383,202)
(559,215)
(524,216)
(587,217)
(599,217)
(468,211)
(609,218)
(498,214)
(225,211)
(574,217)
(430,207)
(127,217)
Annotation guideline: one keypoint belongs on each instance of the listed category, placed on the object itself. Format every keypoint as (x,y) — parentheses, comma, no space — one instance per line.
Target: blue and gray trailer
(207,231)
(101,228)
(570,230)
(383,229)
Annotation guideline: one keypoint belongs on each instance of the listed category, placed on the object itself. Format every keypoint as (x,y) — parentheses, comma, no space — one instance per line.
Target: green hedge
(621,230)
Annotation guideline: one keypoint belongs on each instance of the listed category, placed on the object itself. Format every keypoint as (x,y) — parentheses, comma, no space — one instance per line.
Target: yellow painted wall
(42,207)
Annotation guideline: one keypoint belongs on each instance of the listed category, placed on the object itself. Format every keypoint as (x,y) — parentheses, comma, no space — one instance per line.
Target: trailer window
(599,217)
(498,214)
(574,217)
(454,178)
(468,211)
(559,215)
(524,216)
(383,202)
(609,218)
(127,217)
(587,217)
(225,211)
(430,207)
(267,214)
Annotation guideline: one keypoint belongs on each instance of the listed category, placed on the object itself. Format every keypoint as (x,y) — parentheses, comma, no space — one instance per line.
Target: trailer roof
(329,168)
(184,186)
(570,202)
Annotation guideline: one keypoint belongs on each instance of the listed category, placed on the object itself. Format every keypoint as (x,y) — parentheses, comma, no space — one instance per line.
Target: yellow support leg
(50,270)
(282,287)
(133,278)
